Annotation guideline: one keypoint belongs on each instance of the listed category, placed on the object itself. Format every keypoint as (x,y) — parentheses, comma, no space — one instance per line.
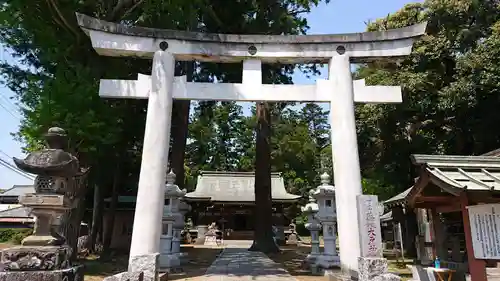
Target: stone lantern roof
(325,189)
(171,189)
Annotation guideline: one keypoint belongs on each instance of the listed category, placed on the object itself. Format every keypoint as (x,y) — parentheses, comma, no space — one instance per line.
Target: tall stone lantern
(313,225)
(46,254)
(184,208)
(327,214)
(170,238)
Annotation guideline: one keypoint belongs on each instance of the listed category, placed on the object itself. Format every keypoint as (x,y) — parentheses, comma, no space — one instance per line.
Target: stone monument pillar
(45,255)
(169,258)
(314,226)
(371,264)
(327,214)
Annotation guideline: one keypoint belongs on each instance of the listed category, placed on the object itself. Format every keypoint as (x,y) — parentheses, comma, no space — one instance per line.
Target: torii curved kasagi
(166,46)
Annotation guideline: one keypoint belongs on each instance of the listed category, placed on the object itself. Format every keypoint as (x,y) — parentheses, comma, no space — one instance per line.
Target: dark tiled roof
(236,187)
(18,190)
(398,199)
(495,153)
(18,212)
(474,173)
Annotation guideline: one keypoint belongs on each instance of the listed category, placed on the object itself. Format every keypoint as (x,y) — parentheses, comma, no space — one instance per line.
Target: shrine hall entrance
(228,200)
(241,223)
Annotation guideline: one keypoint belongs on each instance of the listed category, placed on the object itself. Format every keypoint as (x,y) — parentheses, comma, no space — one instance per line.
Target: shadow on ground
(292,259)
(195,264)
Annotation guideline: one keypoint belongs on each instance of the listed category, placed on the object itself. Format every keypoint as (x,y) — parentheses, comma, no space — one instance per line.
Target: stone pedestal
(202,230)
(165,257)
(148,265)
(29,258)
(74,273)
(46,208)
(126,276)
(280,235)
(374,269)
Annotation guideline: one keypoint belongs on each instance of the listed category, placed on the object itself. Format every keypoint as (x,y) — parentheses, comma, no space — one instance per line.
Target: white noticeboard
(370,235)
(485,230)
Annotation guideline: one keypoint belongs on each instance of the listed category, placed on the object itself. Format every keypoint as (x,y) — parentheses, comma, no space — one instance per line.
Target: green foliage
(14,235)
(450,91)
(58,82)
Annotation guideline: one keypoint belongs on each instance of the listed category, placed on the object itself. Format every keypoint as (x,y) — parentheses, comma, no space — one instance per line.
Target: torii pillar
(166,46)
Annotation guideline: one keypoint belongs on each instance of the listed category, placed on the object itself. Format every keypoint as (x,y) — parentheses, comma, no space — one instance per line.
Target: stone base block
(27,258)
(170,263)
(71,274)
(292,239)
(126,276)
(327,261)
(369,268)
(336,275)
(387,277)
(148,264)
(281,241)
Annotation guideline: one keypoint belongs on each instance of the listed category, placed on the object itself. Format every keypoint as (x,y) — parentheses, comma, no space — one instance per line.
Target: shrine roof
(236,187)
(398,199)
(462,172)
(18,190)
(386,217)
(454,174)
(17,212)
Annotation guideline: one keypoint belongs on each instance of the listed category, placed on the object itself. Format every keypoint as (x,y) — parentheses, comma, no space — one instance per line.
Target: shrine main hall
(228,199)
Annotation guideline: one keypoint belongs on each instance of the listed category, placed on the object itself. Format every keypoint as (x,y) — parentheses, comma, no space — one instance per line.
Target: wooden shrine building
(448,187)
(228,199)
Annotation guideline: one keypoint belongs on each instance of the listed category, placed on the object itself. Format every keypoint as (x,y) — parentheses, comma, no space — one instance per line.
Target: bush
(14,235)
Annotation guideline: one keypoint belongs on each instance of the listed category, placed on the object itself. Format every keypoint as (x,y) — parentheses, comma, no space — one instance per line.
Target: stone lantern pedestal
(183,209)
(327,214)
(172,225)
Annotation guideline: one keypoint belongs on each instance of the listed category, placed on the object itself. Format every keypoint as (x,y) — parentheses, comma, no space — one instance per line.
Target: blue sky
(340,16)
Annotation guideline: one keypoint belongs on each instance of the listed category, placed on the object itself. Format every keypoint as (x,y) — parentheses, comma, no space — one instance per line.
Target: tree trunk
(180,130)
(97,214)
(111,215)
(263,228)
(179,134)
(69,227)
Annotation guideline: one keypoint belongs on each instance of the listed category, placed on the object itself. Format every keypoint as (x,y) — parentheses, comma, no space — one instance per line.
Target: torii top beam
(111,39)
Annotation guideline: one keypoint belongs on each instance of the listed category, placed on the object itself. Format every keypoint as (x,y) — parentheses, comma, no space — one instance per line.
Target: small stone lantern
(327,214)
(170,238)
(313,225)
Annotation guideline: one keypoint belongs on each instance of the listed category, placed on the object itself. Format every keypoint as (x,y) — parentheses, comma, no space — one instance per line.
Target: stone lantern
(170,238)
(179,225)
(46,254)
(313,225)
(327,214)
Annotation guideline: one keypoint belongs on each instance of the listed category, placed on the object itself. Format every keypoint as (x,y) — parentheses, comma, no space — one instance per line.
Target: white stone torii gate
(167,46)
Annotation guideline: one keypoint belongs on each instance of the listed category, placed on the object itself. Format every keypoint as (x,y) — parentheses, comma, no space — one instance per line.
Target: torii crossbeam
(167,46)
